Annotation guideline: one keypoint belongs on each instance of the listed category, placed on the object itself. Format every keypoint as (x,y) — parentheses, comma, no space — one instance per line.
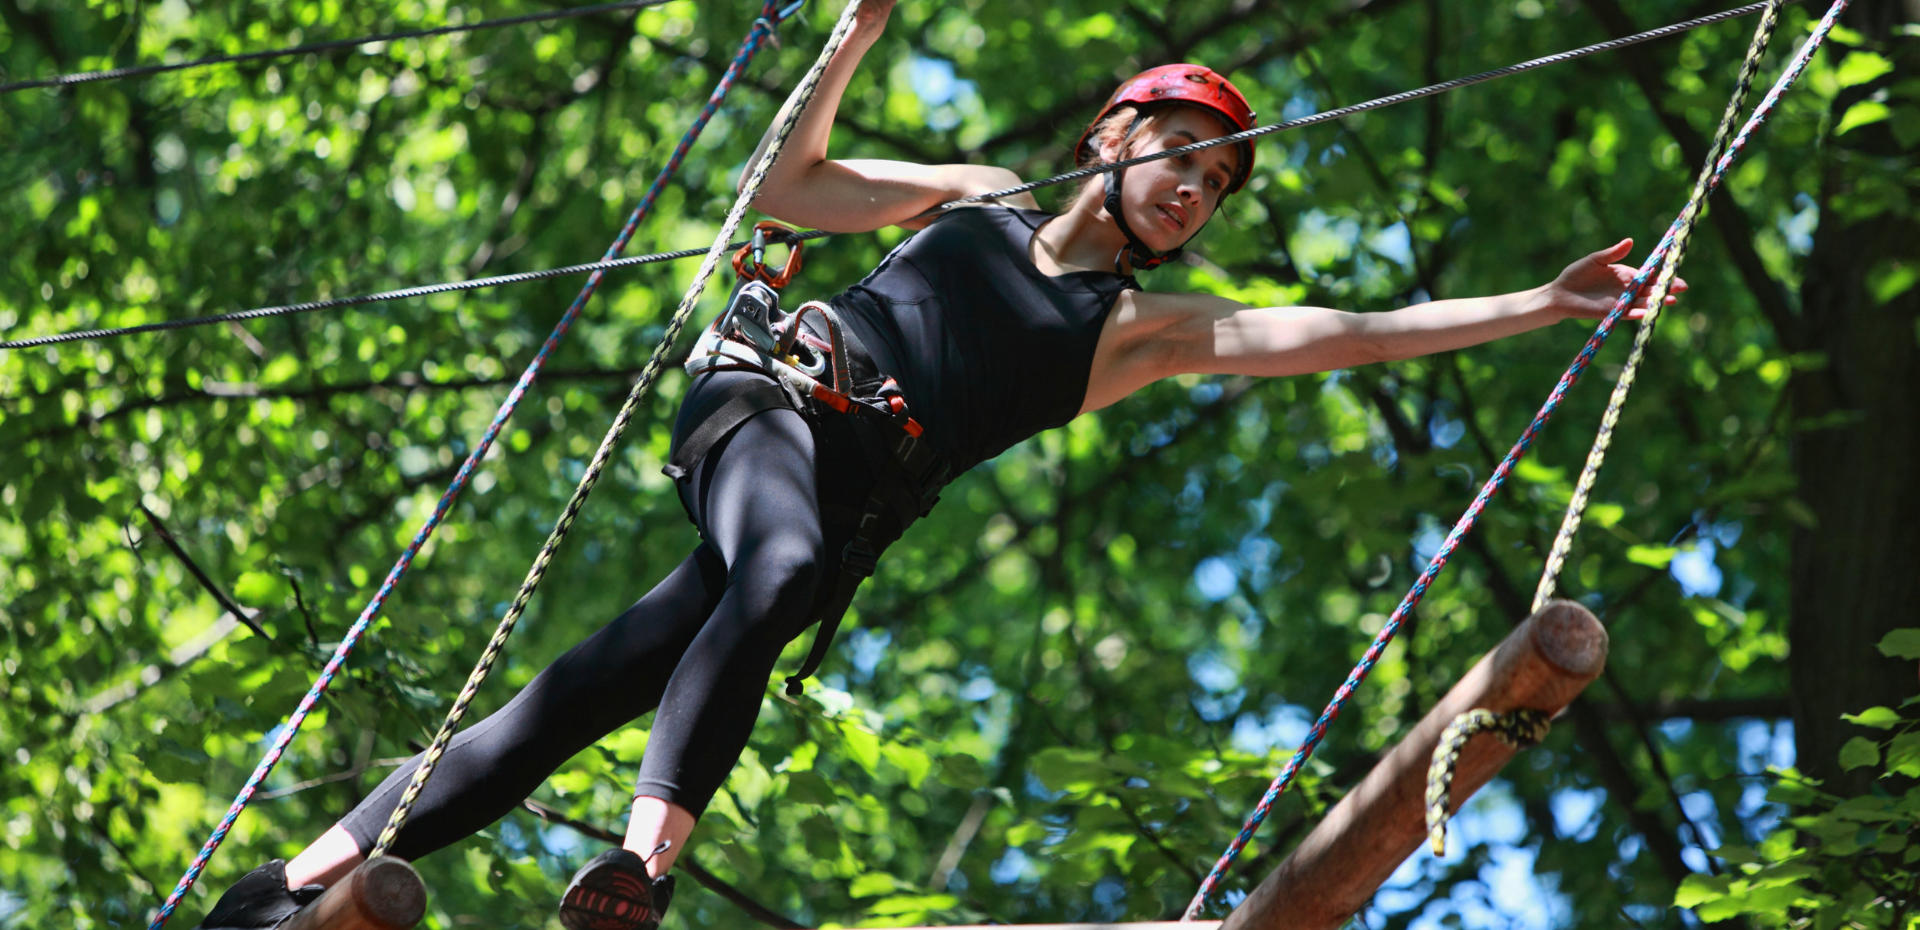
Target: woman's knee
(770,599)
(780,577)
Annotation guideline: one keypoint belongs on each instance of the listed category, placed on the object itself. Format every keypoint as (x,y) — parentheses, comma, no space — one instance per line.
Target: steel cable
(330,45)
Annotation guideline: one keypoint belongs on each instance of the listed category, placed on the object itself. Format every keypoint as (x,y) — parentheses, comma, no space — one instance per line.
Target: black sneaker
(259,900)
(613,892)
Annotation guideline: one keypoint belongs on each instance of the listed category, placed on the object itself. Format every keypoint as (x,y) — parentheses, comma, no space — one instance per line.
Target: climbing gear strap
(1519,728)
(794,351)
(1134,256)
(908,476)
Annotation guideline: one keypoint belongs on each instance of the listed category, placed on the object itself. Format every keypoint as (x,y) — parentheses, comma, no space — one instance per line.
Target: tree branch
(221,597)
(154,674)
(347,775)
(405,381)
(963,835)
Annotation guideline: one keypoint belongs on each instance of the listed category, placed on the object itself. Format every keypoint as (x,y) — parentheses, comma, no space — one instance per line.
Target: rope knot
(1520,728)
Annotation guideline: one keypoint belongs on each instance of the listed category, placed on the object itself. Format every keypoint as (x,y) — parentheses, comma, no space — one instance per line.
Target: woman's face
(1168,200)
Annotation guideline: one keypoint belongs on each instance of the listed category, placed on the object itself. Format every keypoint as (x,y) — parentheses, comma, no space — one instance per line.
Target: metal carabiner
(767,232)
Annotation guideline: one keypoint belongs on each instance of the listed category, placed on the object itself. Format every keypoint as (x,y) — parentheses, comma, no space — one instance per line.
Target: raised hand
(1589,286)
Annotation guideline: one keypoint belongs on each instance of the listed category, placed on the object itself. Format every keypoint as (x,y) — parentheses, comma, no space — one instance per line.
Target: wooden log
(382,894)
(1336,870)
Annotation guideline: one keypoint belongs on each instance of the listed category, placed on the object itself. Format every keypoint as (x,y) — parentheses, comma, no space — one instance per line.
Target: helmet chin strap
(1135,253)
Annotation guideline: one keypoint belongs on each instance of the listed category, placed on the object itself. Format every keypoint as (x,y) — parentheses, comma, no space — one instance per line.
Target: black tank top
(987,349)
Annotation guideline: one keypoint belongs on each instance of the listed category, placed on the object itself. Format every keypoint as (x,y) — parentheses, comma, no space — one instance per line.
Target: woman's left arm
(1172,334)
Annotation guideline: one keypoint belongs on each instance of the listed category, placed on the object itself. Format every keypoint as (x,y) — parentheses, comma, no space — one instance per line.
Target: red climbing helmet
(1195,85)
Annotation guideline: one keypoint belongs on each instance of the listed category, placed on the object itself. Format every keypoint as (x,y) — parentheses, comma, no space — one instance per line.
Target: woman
(994,322)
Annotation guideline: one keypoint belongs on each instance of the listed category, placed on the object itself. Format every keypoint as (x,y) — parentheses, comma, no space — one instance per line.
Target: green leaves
(1901,644)
(1858,752)
(1042,715)
(1861,67)
(1864,113)
(1903,754)
(1837,859)
(1879,718)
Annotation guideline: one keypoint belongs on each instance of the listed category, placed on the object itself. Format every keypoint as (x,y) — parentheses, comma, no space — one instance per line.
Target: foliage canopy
(1069,683)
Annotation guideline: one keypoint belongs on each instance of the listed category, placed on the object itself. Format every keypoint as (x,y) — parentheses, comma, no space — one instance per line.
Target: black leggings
(699,646)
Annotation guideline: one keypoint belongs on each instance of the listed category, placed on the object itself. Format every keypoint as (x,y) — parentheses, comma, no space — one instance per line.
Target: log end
(392,893)
(382,894)
(1570,638)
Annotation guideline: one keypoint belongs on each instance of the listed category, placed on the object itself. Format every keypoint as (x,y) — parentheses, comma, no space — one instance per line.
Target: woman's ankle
(656,832)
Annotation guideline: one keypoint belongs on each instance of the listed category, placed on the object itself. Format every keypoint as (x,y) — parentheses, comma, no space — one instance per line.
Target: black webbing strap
(908,476)
(741,401)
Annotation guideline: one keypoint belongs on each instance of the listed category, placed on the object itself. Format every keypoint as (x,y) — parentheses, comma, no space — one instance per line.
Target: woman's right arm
(806,188)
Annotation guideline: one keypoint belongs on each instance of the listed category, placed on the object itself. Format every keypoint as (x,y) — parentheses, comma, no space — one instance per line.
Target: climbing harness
(1521,728)
(761,31)
(1075,175)
(749,189)
(1657,260)
(794,351)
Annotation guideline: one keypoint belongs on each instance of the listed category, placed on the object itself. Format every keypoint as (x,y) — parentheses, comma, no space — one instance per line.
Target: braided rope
(748,191)
(330,45)
(1077,174)
(761,29)
(1520,728)
(1497,479)
(1523,728)
(1696,202)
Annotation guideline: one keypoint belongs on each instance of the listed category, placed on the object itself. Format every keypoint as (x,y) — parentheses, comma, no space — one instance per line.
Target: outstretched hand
(1589,286)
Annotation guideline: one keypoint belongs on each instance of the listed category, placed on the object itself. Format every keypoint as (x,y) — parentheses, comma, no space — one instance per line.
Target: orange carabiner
(748,262)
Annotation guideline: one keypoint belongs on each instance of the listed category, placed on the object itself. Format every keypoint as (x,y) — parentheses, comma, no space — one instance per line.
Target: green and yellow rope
(1527,727)
(1519,728)
(1661,286)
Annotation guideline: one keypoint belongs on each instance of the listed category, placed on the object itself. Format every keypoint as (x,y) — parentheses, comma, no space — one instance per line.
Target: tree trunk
(1856,568)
